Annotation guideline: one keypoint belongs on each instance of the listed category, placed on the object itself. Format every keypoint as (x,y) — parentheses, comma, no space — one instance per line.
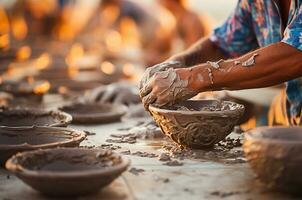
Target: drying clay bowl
(197,127)
(67,171)
(94,113)
(18,139)
(20,117)
(275,156)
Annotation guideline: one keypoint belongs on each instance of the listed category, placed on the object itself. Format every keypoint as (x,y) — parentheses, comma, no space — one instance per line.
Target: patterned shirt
(257,23)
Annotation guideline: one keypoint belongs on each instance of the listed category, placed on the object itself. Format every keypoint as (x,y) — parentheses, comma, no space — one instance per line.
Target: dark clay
(14,140)
(67,171)
(91,113)
(18,117)
(200,128)
(275,156)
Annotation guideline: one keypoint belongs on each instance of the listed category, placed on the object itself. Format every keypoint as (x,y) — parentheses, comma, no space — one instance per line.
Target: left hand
(168,87)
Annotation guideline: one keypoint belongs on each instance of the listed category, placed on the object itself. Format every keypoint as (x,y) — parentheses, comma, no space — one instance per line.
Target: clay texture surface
(274,154)
(197,127)
(91,113)
(67,171)
(14,140)
(20,117)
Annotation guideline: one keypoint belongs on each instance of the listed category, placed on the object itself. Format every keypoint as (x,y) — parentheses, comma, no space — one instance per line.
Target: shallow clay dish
(198,124)
(20,117)
(67,171)
(275,156)
(18,139)
(93,113)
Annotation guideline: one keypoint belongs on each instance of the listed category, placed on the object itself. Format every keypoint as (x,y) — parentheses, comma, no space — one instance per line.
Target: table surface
(195,179)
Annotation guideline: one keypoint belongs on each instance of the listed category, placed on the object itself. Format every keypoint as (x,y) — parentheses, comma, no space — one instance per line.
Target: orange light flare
(4,29)
(19,27)
(107,68)
(63,90)
(23,53)
(76,52)
(129,33)
(113,41)
(42,87)
(43,61)
(132,72)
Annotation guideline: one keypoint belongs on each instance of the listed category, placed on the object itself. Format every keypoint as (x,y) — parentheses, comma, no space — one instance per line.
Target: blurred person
(259,45)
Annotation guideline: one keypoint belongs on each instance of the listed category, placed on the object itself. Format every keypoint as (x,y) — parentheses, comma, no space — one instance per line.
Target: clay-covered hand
(122,92)
(168,87)
(158,68)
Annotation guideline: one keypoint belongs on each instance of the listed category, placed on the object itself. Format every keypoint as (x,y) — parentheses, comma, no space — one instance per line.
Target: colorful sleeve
(293,32)
(236,36)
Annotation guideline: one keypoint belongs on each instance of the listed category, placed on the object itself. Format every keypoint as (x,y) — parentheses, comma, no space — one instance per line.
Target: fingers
(149,99)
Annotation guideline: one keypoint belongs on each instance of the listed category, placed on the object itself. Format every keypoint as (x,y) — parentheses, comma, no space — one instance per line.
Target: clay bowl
(18,139)
(275,156)
(67,171)
(18,117)
(94,113)
(198,124)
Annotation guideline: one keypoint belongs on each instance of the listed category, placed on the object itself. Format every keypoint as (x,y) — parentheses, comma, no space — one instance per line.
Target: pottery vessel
(94,113)
(22,117)
(67,171)
(198,127)
(274,154)
(19,139)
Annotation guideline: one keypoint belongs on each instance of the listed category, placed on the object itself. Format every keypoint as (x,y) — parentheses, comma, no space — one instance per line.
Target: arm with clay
(264,67)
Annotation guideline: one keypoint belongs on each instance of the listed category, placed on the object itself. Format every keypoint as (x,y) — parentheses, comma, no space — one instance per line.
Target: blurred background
(63,48)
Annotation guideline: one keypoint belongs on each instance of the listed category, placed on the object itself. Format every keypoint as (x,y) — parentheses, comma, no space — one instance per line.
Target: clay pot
(198,126)
(67,171)
(18,139)
(94,113)
(20,117)
(275,156)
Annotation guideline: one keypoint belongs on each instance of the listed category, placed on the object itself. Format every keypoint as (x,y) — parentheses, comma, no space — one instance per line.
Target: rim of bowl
(67,118)
(250,135)
(81,136)
(239,107)
(13,166)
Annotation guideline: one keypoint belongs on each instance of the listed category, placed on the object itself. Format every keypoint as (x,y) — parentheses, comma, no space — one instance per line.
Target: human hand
(170,86)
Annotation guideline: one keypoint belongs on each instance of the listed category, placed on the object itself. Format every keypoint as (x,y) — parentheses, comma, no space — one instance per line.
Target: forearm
(200,52)
(273,64)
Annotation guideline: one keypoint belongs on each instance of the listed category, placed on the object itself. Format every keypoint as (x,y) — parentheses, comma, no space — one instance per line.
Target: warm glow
(43,61)
(30,80)
(107,68)
(23,53)
(72,71)
(42,88)
(251,123)
(62,90)
(75,52)
(109,14)
(4,23)
(113,41)
(129,32)
(19,27)
(4,41)
(129,69)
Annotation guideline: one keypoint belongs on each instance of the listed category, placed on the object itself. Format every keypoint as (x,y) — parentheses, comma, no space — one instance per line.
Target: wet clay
(18,117)
(198,129)
(215,65)
(13,140)
(57,172)
(251,61)
(275,156)
(91,113)
(147,130)
(136,171)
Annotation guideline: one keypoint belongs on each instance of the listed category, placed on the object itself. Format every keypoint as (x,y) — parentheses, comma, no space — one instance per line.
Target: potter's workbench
(196,179)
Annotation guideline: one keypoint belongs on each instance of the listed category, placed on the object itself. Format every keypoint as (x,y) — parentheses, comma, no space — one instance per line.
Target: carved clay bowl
(18,139)
(198,124)
(67,171)
(275,156)
(20,117)
(95,113)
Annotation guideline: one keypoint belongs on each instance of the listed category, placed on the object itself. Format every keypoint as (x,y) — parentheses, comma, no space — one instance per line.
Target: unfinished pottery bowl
(67,171)
(198,124)
(18,139)
(94,113)
(275,156)
(20,117)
